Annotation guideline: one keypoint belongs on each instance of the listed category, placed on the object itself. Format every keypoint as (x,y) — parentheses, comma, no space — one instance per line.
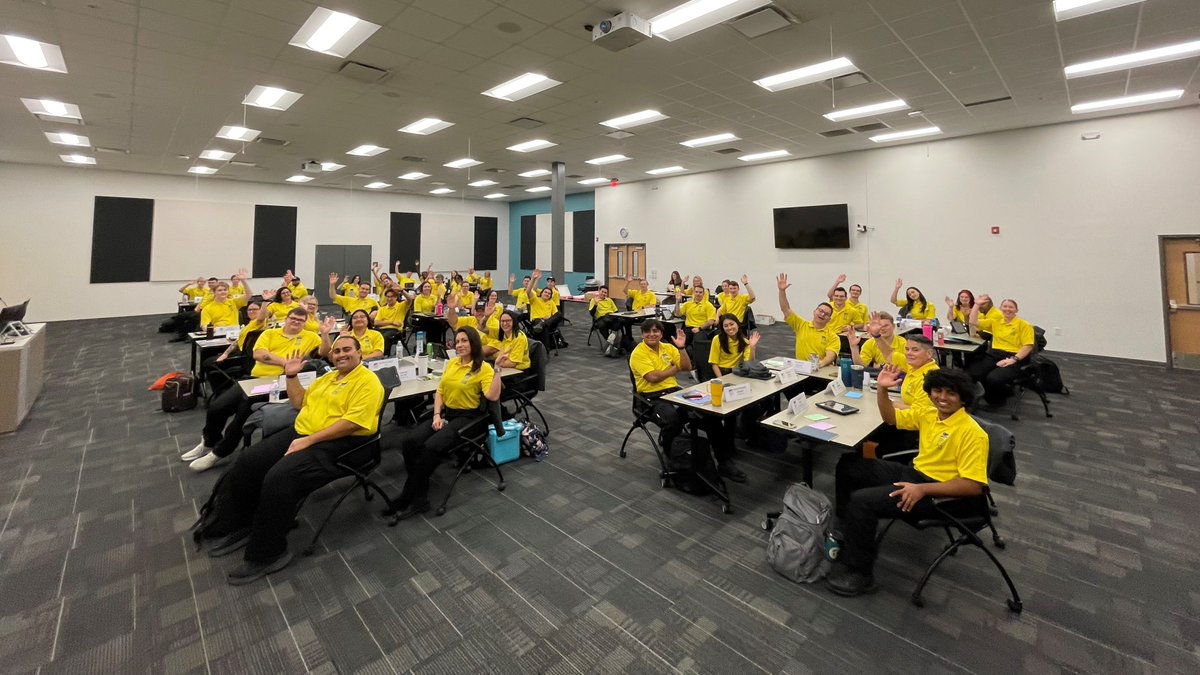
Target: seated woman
(222,310)
(1012,345)
(511,342)
(914,305)
(542,316)
(389,318)
(309,304)
(457,403)
(731,347)
(960,311)
(256,502)
(370,340)
(350,287)
(228,411)
(234,370)
(466,296)
(883,348)
(698,313)
(641,296)
(426,303)
(676,284)
(360,298)
(281,305)
(731,302)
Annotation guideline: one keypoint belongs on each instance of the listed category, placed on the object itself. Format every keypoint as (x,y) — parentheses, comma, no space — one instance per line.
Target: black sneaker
(730,470)
(223,546)
(848,583)
(249,572)
(409,511)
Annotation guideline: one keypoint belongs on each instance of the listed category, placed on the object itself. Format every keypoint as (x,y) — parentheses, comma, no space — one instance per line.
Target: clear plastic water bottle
(421,342)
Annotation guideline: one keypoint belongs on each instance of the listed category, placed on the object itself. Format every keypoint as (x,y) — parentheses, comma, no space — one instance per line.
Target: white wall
(46,233)
(1079,222)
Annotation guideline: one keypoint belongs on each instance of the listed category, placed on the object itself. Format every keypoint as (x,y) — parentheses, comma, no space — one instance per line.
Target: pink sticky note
(260,389)
(821,426)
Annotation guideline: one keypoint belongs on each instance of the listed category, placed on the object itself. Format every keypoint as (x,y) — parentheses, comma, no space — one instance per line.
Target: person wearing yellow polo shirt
(882,348)
(283,302)
(951,462)
(236,369)
(960,310)
(654,364)
(520,297)
(1012,345)
(223,310)
(914,305)
(486,283)
(198,290)
(257,500)
(813,338)
(732,302)
(641,296)
(983,315)
(918,363)
(731,347)
(510,342)
(349,287)
(228,411)
(350,303)
(466,381)
(698,314)
(861,316)
(602,308)
(846,318)
(309,305)
(299,292)
(543,317)
(237,287)
(478,319)
(471,277)
(466,297)
(370,341)
(389,318)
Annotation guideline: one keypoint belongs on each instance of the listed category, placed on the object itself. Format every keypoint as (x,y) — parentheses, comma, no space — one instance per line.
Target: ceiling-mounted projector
(621,31)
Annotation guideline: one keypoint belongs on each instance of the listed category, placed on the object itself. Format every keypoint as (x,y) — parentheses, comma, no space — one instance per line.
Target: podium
(21,363)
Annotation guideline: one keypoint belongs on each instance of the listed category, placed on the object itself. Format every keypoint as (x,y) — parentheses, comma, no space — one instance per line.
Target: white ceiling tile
(416,21)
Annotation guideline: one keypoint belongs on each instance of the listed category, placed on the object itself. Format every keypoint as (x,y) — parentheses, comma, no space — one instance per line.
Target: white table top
(418,387)
(848,430)
(19,342)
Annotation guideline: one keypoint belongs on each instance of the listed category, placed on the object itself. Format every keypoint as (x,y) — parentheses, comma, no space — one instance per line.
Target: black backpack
(1048,376)
(690,458)
(179,394)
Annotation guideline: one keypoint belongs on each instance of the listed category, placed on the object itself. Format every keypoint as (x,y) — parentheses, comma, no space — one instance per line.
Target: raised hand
(679,340)
(745,280)
(334,278)
(889,376)
(452,301)
(374,267)
(328,324)
(899,283)
(949,301)
(754,338)
(852,338)
(512,278)
(268,294)
(782,282)
(841,279)
(293,365)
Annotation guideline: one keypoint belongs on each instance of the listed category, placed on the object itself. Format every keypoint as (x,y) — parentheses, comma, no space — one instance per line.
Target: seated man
(256,502)
(698,314)
(951,462)
(389,318)
(348,304)
(655,364)
(601,307)
(846,318)
(641,296)
(813,339)
(734,303)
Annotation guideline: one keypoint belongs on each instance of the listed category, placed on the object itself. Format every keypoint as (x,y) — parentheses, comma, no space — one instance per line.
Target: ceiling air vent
(874,126)
(618,134)
(987,101)
(411,158)
(760,23)
(727,151)
(58,120)
(511,187)
(364,175)
(574,175)
(271,141)
(494,170)
(836,132)
(113,151)
(361,72)
(526,123)
(846,81)
(240,163)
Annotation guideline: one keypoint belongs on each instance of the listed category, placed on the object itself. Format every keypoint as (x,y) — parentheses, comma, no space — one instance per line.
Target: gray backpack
(796,546)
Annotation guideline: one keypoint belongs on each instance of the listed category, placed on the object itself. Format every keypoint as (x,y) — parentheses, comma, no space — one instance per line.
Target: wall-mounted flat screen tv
(824,226)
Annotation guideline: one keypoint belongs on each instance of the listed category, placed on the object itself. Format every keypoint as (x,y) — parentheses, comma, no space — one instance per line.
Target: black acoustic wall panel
(122,231)
(528,242)
(405,244)
(583,254)
(274,240)
(485,242)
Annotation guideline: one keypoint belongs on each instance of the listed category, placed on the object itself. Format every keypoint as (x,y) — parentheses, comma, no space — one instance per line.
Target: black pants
(224,419)
(890,439)
(423,449)
(861,499)
(607,324)
(671,420)
(543,329)
(996,381)
(264,488)
(391,337)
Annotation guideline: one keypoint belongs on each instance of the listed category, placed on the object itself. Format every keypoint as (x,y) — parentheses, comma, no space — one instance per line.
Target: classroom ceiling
(156,79)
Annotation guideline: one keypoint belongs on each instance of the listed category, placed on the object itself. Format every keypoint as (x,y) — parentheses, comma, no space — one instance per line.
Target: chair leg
(312,545)
(530,404)
(949,535)
(441,510)
(626,441)
(1014,603)
(948,551)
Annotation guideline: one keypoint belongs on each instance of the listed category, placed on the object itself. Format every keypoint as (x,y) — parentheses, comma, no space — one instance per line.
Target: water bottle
(936,324)
(439,308)
(814,362)
(844,366)
(421,342)
(927,330)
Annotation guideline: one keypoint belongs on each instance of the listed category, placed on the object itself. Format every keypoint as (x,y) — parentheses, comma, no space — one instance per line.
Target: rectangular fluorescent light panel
(299,179)
(530,146)
(440,191)
(66,138)
(462,163)
(331,166)
(540,188)
(594,181)
(520,87)
(377,185)
(332,33)
(21,51)
(1127,101)
(635,119)
(217,155)
(52,108)
(608,159)
(709,140)
(77,159)
(666,169)
(426,126)
(272,98)
(202,170)
(910,133)
(1069,9)
(866,110)
(772,154)
(495,195)
(808,74)
(235,133)
(413,175)
(535,173)
(1145,57)
(697,15)
(367,150)
(482,183)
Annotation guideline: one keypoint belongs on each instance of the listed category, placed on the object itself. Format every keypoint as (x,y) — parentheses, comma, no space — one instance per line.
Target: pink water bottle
(438,310)
(927,330)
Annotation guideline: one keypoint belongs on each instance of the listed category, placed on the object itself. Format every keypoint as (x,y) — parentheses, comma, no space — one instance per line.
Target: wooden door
(1181,277)
(623,260)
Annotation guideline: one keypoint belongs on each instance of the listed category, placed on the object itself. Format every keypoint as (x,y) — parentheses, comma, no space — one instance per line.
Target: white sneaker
(206,462)
(695,375)
(612,339)
(195,453)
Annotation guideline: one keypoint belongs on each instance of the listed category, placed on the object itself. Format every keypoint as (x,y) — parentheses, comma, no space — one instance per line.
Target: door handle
(1172,306)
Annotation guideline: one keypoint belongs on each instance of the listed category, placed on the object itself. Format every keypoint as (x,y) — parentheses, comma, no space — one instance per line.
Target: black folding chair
(1027,377)
(472,448)
(968,515)
(643,414)
(520,390)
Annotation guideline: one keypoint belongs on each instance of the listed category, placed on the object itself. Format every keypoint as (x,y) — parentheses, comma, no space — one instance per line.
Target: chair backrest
(537,362)
(1039,339)
(250,341)
(1002,460)
(701,345)
(628,304)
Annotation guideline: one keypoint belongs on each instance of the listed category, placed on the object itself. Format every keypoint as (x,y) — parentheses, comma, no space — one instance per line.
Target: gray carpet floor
(584,564)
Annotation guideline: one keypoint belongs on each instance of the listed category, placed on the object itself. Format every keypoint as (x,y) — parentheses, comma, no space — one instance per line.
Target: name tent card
(802,367)
(798,405)
(736,392)
(788,376)
(836,387)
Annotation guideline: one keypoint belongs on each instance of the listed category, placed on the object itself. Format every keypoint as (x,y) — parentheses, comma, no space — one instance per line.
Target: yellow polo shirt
(644,360)
(460,388)
(370,341)
(356,397)
(811,341)
(735,305)
(725,360)
(298,291)
(280,345)
(1010,337)
(870,355)
(540,309)
(351,305)
(486,284)
(987,318)
(196,293)
(846,316)
(222,313)
(917,313)
(394,314)
(861,314)
(521,298)
(279,311)
(696,314)
(518,349)
(642,299)
(956,447)
(600,308)
(957,315)
(312,324)
(912,392)
(348,288)
(424,304)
